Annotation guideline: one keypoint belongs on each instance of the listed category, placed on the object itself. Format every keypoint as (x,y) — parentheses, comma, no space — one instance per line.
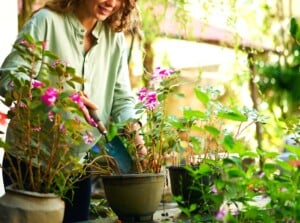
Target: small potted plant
(142,188)
(48,135)
(205,138)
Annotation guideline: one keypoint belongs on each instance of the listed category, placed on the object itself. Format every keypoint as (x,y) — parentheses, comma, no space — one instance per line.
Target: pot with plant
(47,137)
(135,195)
(205,136)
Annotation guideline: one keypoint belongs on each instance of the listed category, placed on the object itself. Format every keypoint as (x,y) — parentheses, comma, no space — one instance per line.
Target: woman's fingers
(87,102)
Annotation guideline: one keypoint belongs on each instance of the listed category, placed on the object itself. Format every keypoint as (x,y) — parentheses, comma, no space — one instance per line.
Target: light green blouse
(104,67)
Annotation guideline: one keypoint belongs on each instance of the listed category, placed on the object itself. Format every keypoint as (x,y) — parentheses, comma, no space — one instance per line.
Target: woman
(87,34)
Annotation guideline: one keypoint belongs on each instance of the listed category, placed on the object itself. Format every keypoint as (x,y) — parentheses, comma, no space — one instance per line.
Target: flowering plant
(157,132)
(152,123)
(48,134)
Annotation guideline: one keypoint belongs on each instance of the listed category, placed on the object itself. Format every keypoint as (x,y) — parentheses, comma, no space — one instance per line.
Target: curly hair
(127,17)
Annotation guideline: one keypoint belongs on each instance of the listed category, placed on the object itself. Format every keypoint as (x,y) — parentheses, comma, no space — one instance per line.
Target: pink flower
(26,43)
(161,73)
(23,105)
(88,138)
(62,127)
(214,189)
(57,62)
(11,85)
(148,98)
(50,96)
(221,214)
(37,128)
(142,93)
(44,44)
(51,116)
(36,83)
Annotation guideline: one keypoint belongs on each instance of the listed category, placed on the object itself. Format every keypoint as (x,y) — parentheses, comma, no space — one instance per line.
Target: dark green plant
(209,135)
(278,71)
(212,127)
(99,208)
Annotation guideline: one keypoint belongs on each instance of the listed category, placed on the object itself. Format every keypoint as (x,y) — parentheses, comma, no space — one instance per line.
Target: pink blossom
(22,105)
(142,93)
(11,84)
(62,127)
(88,138)
(37,128)
(59,61)
(26,43)
(44,44)
(161,73)
(50,96)
(36,83)
(148,98)
(51,116)
(214,189)
(221,214)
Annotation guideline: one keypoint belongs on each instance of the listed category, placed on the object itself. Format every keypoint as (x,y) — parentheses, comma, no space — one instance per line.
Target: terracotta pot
(134,197)
(27,207)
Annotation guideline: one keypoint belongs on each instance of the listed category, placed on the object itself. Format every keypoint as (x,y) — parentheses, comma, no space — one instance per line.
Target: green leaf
(189,113)
(201,96)
(233,173)
(295,29)
(270,168)
(50,55)
(235,116)
(212,130)
(228,142)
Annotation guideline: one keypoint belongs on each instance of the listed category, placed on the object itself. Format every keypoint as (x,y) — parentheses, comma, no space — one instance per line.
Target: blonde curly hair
(127,17)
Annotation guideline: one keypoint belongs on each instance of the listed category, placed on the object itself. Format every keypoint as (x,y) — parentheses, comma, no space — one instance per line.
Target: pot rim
(11,188)
(134,175)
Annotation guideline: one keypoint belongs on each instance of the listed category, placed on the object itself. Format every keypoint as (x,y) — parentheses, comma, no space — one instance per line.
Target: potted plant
(205,138)
(50,132)
(135,196)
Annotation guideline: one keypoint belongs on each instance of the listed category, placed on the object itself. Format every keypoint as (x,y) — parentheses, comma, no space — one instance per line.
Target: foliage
(207,137)
(100,208)
(158,135)
(262,191)
(47,131)
(209,130)
(279,81)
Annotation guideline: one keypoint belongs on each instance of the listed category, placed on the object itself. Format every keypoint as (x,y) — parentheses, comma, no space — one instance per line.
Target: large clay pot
(18,206)
(134,197)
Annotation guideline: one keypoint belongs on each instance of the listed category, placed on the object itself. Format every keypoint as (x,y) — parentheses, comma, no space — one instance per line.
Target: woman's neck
(87,21)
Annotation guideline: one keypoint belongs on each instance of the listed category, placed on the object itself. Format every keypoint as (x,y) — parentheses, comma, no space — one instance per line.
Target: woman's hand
(87,105)
(141,150)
